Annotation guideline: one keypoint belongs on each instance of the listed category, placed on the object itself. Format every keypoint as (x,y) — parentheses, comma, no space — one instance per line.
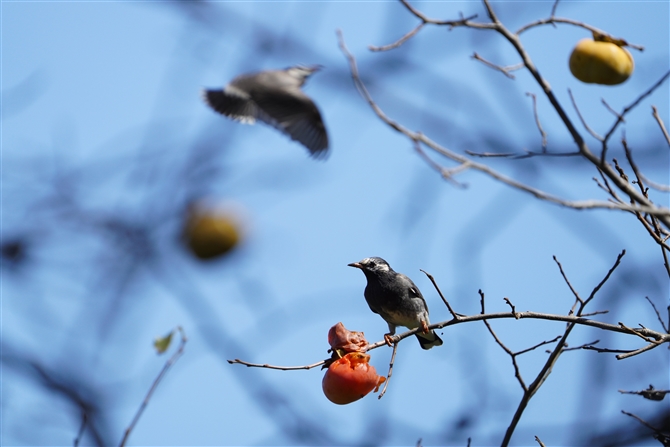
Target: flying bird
(397,300)
(275,98)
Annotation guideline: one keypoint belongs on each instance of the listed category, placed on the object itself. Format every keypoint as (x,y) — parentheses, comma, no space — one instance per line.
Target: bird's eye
(371,263)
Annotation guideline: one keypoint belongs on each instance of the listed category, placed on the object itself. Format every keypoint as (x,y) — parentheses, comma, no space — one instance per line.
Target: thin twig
(567,281)
(643,422)
(504,70)
(630,107)
(463,21)
(451,311)
(656,186)
(606,350)
(611,110)
(581,118)
(660,124)
(447,174)
(282,368)
(84,420)
(388,376)
(160,376)
(400,41)
(537,121)
(649,347)
(532,348)
(536,438)
(509,303)
(658,315)
(553,20)
(519,156)
(604,280)
(584,346)
(517,371)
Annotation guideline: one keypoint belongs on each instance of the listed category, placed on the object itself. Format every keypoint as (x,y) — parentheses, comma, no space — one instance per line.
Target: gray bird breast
(395,306)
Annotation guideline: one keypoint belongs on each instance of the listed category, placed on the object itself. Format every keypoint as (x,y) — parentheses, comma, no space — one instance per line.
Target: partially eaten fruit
(350,378)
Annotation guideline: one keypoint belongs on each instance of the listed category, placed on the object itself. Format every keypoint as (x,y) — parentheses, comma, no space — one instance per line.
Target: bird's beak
(355,264)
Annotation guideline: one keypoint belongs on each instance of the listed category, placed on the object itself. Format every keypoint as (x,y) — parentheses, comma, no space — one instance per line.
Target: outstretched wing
(232,103)
(295,114)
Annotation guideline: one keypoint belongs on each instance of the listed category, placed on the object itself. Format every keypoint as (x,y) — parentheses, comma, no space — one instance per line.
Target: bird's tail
(429,340)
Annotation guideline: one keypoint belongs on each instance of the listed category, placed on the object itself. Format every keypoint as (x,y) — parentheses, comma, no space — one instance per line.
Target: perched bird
(274,97)
(397,300)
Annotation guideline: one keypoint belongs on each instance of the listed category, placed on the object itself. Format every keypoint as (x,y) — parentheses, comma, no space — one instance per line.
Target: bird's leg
(424,326)
(388,338)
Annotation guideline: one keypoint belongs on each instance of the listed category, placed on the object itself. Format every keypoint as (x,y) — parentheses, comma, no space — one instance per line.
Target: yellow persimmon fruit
(600,62)
(210,233)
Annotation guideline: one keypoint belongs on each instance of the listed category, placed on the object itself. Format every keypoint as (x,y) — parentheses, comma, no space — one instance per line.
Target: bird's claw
(388,338)
(424,327)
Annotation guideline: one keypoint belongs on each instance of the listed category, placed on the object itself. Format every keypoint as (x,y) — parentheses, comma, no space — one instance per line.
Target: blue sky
(102,121)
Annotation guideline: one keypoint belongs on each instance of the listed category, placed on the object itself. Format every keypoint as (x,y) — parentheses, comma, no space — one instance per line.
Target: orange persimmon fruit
(350,378)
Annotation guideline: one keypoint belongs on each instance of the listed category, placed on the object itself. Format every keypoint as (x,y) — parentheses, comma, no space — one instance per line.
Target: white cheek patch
(379,266)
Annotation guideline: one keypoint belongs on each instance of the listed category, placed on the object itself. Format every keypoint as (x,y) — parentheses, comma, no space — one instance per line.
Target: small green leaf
(162,344)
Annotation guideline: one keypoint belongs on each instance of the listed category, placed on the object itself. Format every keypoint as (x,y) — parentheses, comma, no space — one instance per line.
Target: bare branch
(82,427)
(604,280)
(447,174)
(634,104)
(649,347)
(536,438)
(451,311)
(656,186)
(553,20)
(532,348)
(282,368)
(519,156)
(463,21)
(583,346)
(160,376)
(504,70)
(611,110)
(581,118)
(664,439)
(567,281)
(400,41)
(390,373)
(509,303)
(660,124)
(650,393)
(646,207)
(658,315)
(537,121)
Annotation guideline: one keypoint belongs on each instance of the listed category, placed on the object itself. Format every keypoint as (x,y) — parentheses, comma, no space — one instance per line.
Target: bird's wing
(233,103)
(295,114)
(413,290)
